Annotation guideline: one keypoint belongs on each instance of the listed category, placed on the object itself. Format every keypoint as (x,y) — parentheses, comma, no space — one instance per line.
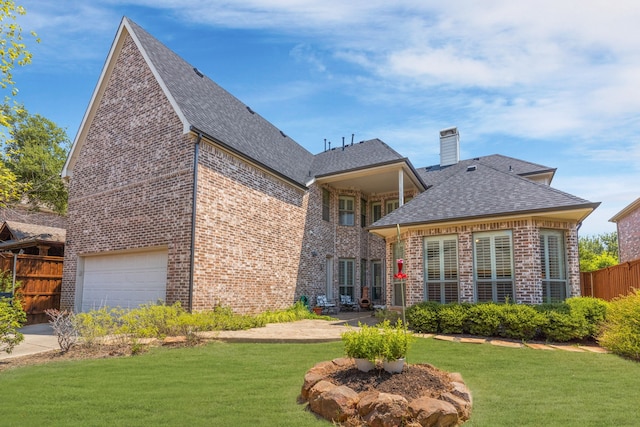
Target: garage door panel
(125,280)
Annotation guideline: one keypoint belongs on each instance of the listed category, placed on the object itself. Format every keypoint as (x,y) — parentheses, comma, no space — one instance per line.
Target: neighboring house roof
(475,189)
(626,211)
(204,107)
(17,233)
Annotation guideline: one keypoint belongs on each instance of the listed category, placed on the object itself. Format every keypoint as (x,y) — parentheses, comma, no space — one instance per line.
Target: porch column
(400,188)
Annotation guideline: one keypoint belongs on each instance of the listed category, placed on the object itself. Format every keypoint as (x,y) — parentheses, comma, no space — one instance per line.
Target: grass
(257,384)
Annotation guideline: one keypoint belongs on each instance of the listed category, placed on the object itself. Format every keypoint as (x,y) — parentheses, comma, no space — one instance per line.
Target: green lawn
(257,384)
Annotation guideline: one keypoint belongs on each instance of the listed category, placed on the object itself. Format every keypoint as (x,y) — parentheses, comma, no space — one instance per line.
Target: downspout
(196,156)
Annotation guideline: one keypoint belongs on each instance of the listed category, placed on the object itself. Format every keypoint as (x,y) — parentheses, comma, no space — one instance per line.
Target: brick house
(178,191)
(628,226)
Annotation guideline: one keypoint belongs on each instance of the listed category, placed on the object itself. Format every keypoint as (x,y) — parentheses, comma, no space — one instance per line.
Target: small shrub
(453,318)
(520,322)
(396,341)
(424,317)
(594,311)
(94,325)
(621,329)
(12,317)
(63,325)
(484,319)
(365,343)
(561,327)
(298,311)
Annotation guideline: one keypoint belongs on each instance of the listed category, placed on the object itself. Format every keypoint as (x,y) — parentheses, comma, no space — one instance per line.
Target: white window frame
(391,205)
(347,210)
(553,256)
(375,217)
(496,284)
(346,276)
(441,273)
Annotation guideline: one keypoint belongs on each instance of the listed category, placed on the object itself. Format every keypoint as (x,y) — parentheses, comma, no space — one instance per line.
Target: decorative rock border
(340,404)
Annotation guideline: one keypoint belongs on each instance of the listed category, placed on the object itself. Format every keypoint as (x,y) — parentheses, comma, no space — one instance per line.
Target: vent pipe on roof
(343,143)
(449,146)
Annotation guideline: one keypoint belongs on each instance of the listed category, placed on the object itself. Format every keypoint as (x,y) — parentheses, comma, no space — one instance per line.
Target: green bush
(484,319)
(97,324)
(520,322)
(594,311)
(561,327)
(621,329)
(423,317)
(453,318)
(365,343)
(12,317)
(298,311)
(396,341)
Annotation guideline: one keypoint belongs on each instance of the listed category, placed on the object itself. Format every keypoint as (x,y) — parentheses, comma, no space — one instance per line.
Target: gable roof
(22,232)
(206,108)
(476,189)
(626,211)
(361,155)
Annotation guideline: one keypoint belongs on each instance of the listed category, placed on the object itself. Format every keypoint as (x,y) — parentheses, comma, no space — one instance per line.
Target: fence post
(591,280)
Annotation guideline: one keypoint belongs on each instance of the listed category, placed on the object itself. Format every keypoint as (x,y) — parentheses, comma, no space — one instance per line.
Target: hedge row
(575,319)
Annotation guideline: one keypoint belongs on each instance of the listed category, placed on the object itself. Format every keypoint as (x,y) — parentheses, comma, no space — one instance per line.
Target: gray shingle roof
(212,110)
(459,193)
(20,231)
(433,175)
(357,156)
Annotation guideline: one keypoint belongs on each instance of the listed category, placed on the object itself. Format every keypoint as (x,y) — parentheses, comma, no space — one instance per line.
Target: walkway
(39,338)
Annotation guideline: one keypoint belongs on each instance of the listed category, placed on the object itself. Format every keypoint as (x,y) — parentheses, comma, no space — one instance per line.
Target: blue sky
(551,82)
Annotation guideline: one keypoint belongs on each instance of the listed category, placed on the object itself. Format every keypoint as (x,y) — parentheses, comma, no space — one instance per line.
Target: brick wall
(526,255)
(249,236)
(629,236)
(131,185)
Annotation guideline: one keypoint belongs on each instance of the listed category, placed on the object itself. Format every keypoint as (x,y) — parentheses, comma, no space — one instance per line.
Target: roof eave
(626,211)
(251,160)
(583,211)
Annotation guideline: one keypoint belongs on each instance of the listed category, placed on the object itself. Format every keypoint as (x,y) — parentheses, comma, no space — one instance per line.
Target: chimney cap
(449,131)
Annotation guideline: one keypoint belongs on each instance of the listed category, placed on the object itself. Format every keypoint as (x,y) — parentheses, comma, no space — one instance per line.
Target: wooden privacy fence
(41,280)
(611,282)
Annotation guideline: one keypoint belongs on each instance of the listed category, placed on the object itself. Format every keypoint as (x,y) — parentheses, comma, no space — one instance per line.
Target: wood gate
(40,278)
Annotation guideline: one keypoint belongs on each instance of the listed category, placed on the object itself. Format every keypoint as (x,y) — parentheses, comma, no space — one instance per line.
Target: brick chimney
(449,146)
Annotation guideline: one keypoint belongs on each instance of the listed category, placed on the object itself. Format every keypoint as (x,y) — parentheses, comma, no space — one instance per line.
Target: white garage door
(125,280)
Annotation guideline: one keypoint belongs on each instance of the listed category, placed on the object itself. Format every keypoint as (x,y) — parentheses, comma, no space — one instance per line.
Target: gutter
(196,157)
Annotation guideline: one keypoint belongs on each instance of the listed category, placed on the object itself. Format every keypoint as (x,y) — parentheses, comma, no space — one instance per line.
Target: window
(441,269)
(326,205)
(392,205)
(346,276)
(346,210)
(363,213)
(377,289)
(493,266)
(552,256)
(376,211)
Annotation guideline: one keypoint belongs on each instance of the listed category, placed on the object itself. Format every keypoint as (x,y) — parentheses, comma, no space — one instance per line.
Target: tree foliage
(13,51)
(35,152)
(599,251)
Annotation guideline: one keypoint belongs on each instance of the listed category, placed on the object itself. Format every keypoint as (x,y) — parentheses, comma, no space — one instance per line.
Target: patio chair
(327,307)
(347,303)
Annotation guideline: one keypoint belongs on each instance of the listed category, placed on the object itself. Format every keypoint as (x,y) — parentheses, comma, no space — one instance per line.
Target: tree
(598,252)
(13,52)
(35,152)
